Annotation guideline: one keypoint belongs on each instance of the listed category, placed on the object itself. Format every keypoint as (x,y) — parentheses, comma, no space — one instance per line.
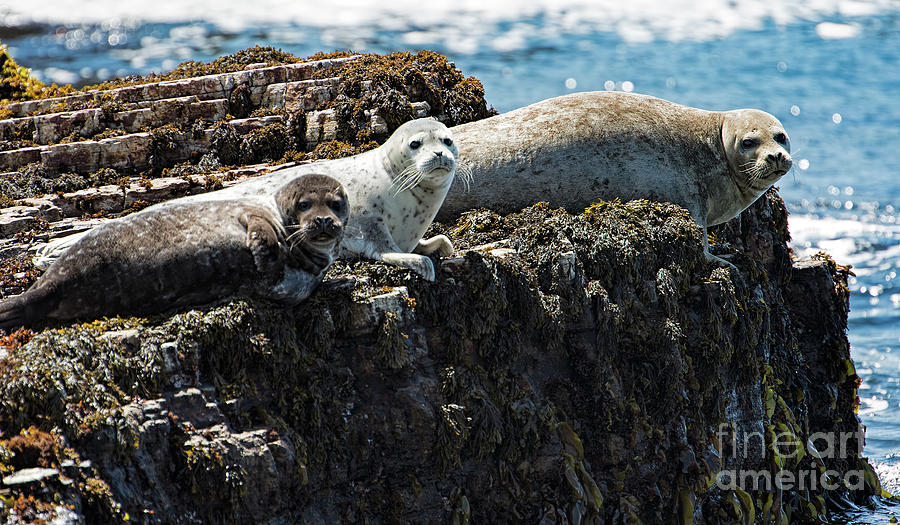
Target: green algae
(16,83)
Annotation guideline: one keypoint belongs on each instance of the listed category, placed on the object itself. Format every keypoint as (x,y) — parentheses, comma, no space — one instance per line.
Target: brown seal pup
(193,253)
(577,149)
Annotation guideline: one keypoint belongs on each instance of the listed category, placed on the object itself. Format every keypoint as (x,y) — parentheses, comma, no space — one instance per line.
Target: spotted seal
(576,149)
(395,191)
(192,253)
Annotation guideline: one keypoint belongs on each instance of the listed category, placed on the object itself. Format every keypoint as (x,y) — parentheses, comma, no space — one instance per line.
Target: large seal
(192,253)
(576,149)
(395,191)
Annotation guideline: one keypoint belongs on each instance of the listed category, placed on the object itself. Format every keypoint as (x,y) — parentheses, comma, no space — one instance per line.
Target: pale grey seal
(395,191)
(577,149)
(192,253)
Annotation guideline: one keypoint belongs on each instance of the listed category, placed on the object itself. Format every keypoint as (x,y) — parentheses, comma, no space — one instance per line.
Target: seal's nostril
(439,153)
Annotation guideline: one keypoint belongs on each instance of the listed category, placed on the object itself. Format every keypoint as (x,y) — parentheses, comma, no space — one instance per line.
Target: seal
(576,149)
(395,191)
(193,253)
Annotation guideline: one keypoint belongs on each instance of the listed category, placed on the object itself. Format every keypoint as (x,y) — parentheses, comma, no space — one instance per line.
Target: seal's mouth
(764,173)
(780,169)
(431,174)
(319,233)
(438,162)
(325,232)
(323,237)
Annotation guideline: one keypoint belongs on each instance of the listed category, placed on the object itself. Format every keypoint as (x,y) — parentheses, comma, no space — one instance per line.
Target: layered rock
(129,110)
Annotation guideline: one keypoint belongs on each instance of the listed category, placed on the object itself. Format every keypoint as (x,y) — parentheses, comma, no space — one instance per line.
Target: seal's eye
(303,206)
(336,206)
(448,142)
(748,143)
(414,144)
(780,138)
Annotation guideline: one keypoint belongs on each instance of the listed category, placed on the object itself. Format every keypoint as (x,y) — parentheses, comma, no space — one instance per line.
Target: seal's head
(421,153)
(314,210)
(757,147)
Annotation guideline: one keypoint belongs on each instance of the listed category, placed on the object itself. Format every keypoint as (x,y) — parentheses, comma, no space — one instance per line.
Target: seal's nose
(778,157)
(439,153)
(323,222)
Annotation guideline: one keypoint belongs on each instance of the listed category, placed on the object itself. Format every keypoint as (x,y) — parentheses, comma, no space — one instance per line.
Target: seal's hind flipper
(25,309)
(11,314)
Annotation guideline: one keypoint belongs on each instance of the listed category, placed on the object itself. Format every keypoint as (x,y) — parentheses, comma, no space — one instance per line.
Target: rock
(562,368)
(248,124)
(17,218)
(304,95)
(421,109)
(597,366)
(14,159)
(29,475)
(47,210)
(369,313)
(379,125)
(51,128)
(321,126)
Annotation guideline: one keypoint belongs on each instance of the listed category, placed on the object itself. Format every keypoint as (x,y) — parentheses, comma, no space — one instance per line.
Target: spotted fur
(395,191)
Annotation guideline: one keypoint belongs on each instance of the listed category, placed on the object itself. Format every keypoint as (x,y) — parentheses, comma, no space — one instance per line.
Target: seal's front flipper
(420,264)
(263,244)
(718,260)
(439,243)
(712,258)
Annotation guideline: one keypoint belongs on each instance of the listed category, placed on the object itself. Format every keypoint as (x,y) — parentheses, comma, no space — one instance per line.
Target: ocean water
(828,69)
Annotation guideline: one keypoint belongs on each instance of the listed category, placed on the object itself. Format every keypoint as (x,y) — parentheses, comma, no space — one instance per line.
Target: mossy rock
(584,375)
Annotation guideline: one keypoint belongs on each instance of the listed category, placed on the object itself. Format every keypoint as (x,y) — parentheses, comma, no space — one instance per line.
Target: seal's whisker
(404,173)
(304,234)
(465,174)
(401,183)
(412,181)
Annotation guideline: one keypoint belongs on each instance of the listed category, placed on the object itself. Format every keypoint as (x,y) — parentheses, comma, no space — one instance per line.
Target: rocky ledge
(585,368)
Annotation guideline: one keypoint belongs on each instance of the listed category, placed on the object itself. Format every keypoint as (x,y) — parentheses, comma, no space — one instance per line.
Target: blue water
(830,73)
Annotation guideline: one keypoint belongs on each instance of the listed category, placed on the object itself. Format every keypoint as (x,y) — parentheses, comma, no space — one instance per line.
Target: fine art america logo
(820,445)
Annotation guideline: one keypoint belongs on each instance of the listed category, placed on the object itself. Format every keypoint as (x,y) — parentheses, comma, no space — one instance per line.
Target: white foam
(832,31)
(443,22)
(845,240)
(872,405)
